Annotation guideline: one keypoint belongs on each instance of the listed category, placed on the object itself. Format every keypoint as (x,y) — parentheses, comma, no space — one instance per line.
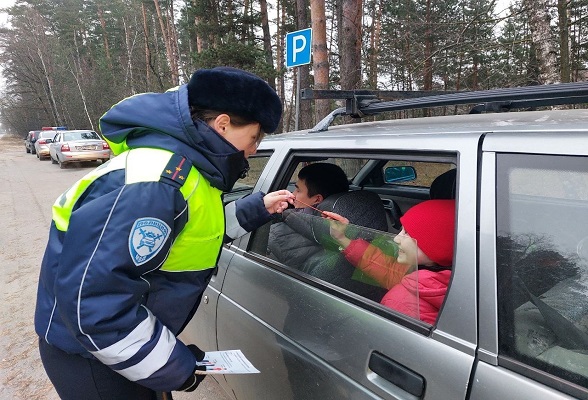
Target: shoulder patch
(176,171)
(146,239)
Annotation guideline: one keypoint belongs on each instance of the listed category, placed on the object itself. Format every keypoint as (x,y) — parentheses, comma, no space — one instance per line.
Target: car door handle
(397,374)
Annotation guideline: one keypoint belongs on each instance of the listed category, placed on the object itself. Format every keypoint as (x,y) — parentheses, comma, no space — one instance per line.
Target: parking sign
(298,46)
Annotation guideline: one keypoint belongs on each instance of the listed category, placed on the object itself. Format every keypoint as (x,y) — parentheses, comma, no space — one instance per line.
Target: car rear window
(80,136)
(46,134)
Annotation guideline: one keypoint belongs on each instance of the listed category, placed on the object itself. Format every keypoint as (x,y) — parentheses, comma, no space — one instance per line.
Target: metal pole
(297,100)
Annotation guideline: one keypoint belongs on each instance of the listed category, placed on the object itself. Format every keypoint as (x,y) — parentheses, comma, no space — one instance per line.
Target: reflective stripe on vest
(198,244)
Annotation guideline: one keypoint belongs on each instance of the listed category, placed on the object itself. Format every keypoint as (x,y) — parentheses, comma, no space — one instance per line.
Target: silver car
(513,323)
(78,145)
(42,144)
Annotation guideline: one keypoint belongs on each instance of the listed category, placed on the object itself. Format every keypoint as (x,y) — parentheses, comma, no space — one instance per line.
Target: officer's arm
(245,215)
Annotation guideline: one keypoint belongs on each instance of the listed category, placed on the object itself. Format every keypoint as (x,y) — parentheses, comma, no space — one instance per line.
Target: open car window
(355,258)
(245,185)
(300,240)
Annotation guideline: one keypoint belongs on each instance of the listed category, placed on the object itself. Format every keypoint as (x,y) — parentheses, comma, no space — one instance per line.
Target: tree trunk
(244,32)
(541,37)
(201,40)
(428,66)
(351,45)
(75,72)
(281,17)
(267,41)
(49,89)
(320,56)
(147,51)
(375,45)
(306,119)
(564,40)
(173,37)
(105,38)
(129,45)
(168,46)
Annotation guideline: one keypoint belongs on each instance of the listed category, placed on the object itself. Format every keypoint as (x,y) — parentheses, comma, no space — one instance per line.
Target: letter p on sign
(298,46)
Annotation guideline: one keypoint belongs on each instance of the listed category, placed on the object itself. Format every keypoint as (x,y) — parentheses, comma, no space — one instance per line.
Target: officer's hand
(276,202)
(194,380)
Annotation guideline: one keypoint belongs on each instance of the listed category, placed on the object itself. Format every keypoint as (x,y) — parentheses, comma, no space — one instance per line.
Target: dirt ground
(28,188)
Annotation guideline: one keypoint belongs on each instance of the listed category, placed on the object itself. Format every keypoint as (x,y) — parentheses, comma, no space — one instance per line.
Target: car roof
(514,122)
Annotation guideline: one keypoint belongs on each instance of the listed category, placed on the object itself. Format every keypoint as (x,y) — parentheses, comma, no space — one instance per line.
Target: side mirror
(402,173)
(48,141)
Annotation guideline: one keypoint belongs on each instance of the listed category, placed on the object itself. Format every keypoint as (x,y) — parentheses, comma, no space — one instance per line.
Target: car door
(533,260)
(202,329)
(312,340)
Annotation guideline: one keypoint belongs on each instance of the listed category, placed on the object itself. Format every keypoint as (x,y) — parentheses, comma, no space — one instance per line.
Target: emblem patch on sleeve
(146,239)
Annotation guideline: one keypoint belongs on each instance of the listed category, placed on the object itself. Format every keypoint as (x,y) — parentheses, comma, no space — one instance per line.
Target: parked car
(78,145)
(30,140)
(42,144)
(514,322)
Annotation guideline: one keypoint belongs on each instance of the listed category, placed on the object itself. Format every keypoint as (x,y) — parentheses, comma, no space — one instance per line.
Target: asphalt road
(28,188)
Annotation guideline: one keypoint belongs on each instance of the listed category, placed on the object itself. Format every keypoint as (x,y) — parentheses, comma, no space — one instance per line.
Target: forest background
(66,62)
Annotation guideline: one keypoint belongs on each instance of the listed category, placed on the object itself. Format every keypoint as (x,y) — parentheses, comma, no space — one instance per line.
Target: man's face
(301,193)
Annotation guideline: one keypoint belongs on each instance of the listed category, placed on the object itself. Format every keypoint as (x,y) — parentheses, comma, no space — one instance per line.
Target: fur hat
(233,90)
(432,224)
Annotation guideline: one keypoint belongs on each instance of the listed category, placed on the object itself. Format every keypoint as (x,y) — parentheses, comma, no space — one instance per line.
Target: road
(28,188)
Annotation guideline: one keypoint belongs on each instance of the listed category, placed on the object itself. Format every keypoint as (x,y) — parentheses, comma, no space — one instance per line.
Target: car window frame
(282,178)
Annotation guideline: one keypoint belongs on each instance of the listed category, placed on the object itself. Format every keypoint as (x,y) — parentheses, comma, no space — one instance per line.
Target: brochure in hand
(226,362)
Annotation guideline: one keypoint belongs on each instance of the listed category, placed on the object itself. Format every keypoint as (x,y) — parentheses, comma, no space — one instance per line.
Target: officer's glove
(194,379)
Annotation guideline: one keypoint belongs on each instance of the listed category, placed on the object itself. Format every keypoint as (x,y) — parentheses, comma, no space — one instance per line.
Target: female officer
(133,244)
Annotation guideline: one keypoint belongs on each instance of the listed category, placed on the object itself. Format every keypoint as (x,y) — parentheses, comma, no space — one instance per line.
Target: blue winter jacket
(92,298)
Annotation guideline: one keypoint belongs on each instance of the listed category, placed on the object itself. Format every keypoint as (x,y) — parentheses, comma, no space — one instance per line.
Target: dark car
(30,141)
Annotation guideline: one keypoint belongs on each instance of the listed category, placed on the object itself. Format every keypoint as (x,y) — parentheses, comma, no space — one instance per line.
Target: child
(419,294)
(315,183)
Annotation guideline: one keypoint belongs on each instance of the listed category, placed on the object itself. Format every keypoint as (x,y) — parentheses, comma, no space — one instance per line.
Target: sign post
(298,51)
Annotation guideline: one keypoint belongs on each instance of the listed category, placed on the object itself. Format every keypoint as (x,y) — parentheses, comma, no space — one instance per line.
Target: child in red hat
(420,293)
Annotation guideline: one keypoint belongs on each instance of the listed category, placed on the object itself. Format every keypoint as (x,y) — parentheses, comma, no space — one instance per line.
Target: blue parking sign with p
(298,46)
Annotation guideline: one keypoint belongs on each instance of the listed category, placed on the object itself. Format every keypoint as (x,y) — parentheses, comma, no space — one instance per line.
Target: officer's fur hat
(236,91)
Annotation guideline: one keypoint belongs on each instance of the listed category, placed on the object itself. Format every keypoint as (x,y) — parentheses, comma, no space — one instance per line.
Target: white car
(78,145)
(42,143)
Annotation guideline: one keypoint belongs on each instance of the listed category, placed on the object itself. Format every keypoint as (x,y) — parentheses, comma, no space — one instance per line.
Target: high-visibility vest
(198,244)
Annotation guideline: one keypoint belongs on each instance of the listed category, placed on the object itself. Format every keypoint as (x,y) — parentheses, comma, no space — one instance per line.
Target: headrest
(443,187)
(361,207)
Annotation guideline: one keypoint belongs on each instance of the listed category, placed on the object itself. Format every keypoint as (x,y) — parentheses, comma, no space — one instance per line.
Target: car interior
(381,190)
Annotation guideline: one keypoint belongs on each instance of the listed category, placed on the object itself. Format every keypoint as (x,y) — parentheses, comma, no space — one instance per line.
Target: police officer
(133,244)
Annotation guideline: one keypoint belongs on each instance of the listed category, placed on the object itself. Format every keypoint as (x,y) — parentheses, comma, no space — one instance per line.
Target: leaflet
(226,362)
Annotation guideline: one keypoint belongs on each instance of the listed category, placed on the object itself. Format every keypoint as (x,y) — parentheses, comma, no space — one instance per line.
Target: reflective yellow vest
(198,244)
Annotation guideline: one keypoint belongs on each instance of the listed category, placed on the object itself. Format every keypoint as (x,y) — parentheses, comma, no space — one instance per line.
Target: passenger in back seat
(303,241)
(419,294)
(315,183)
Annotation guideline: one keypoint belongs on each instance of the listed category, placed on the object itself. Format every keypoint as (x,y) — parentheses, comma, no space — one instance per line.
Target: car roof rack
(361,103)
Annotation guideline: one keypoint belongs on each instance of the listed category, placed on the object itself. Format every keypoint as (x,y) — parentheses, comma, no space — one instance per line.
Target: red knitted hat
(432,224)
